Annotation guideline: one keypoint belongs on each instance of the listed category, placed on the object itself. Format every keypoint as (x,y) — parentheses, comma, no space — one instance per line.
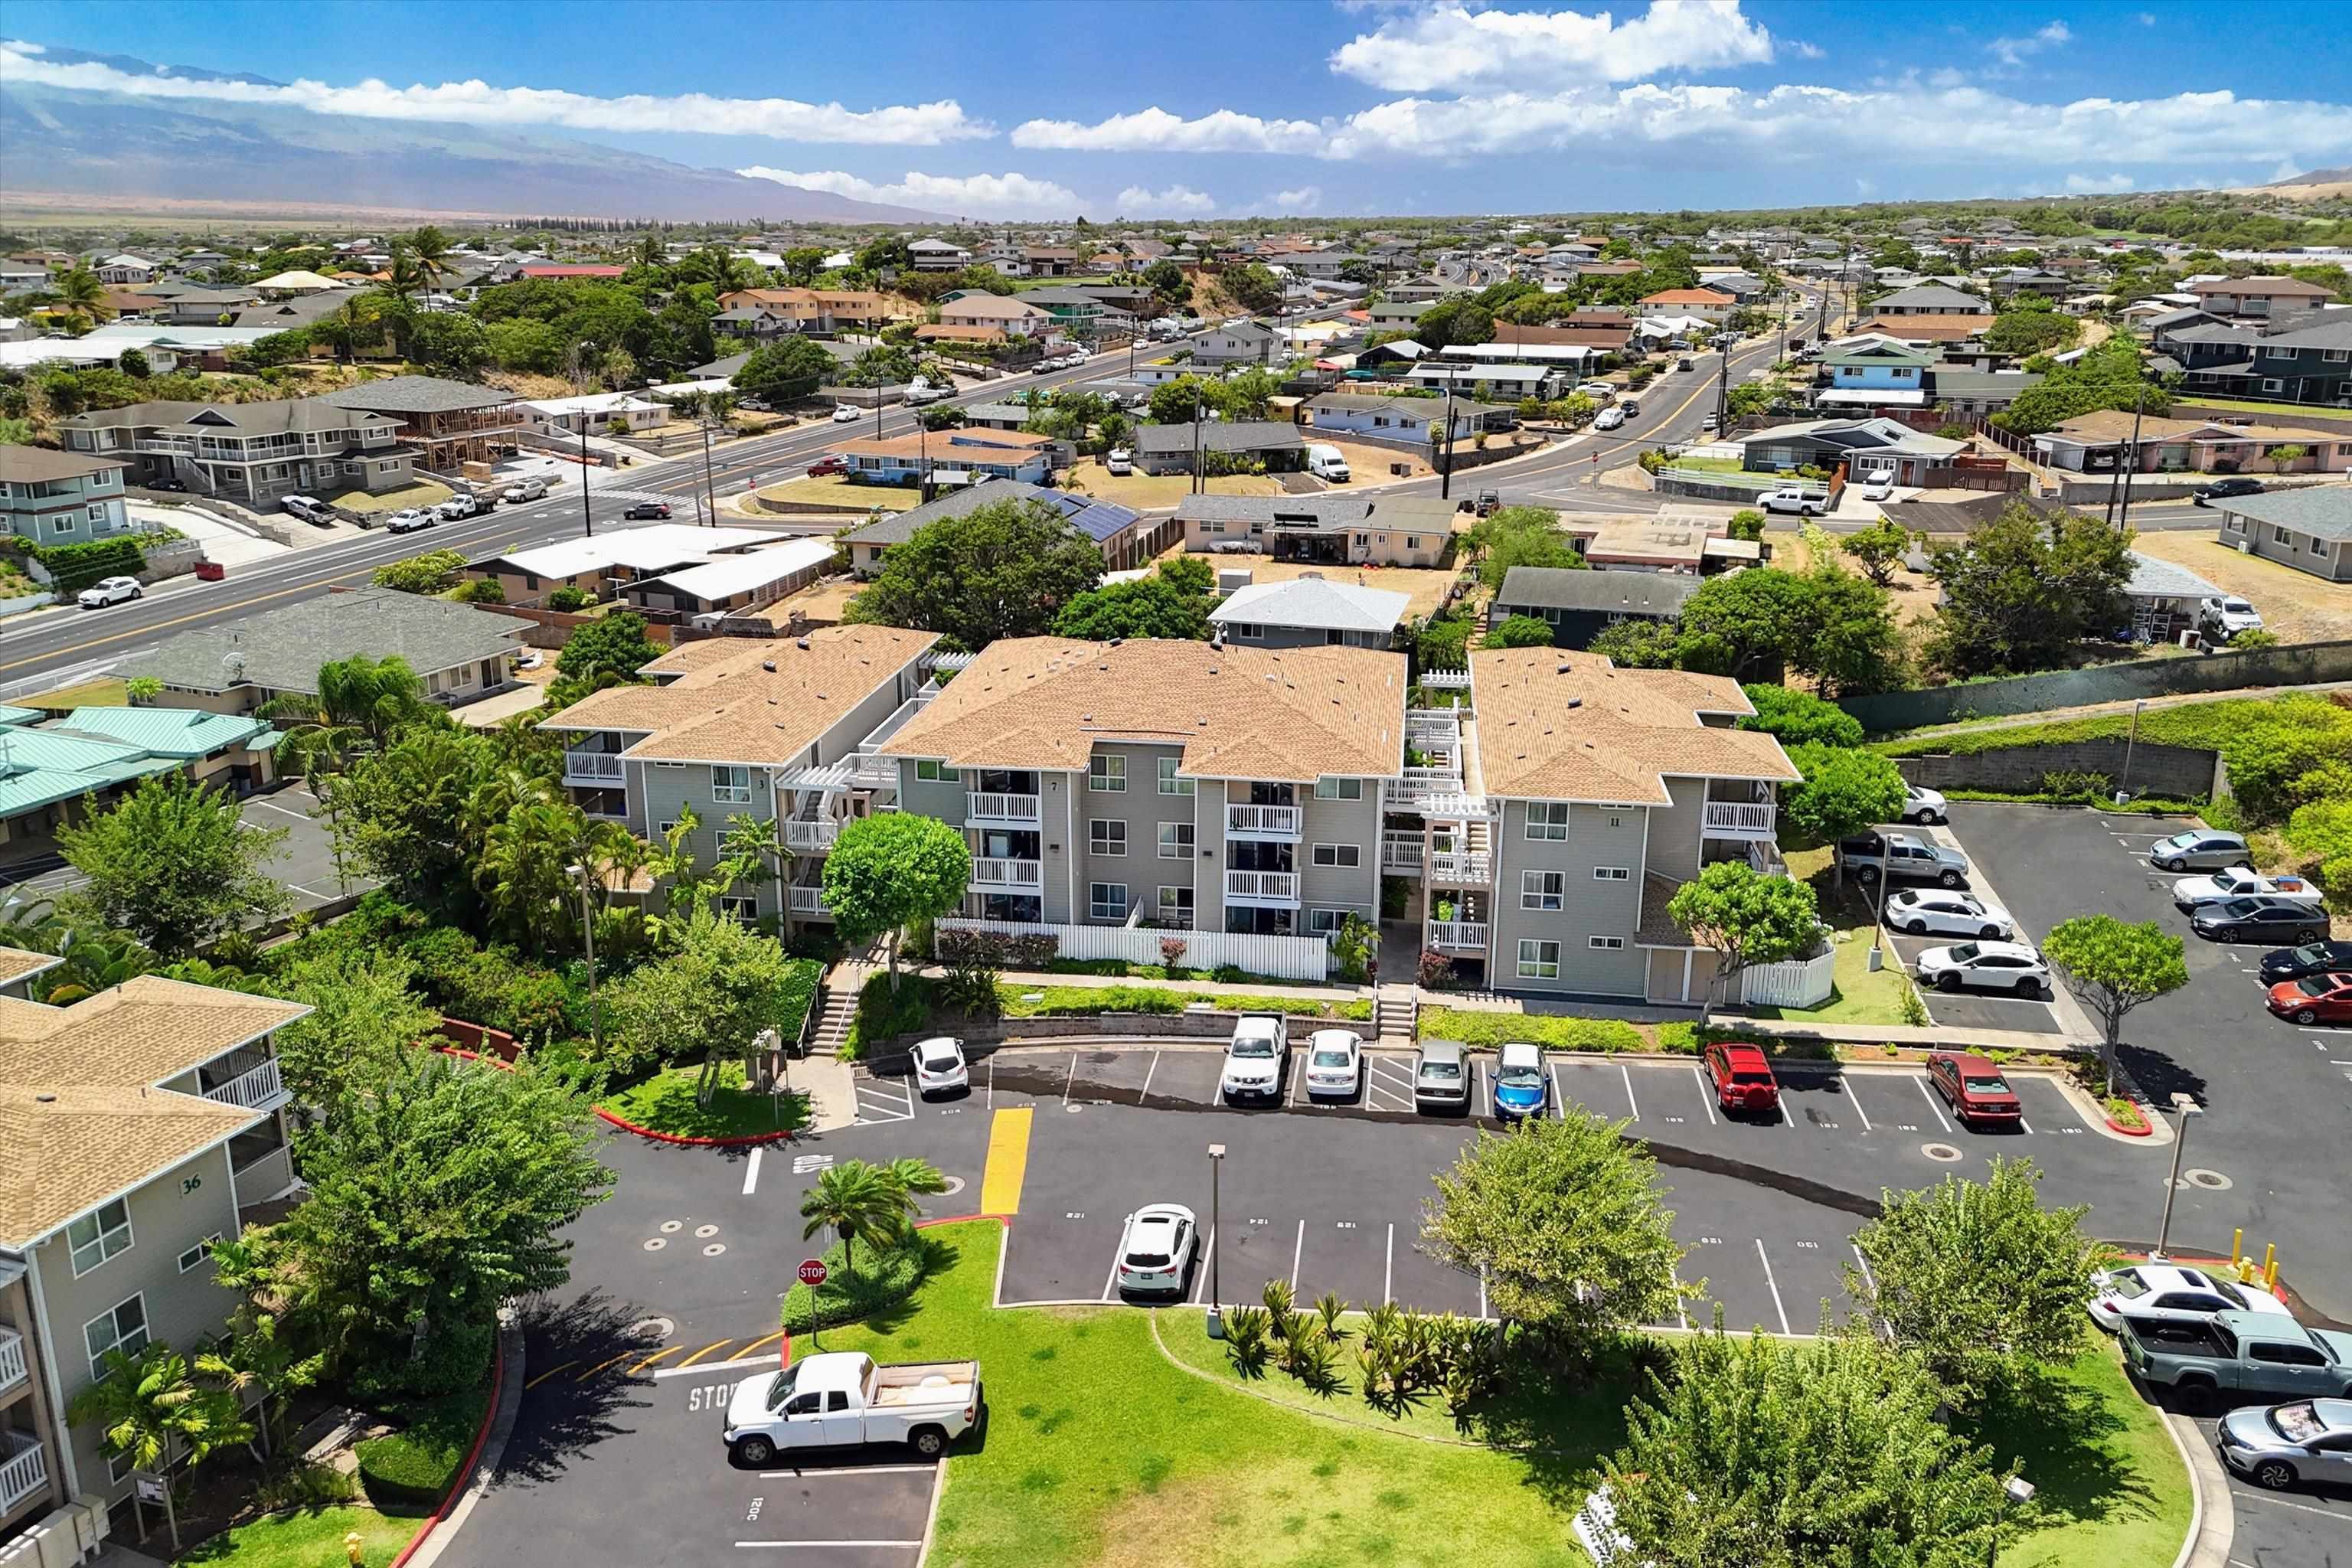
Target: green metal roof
(98,748)
(18,715)
(180,732)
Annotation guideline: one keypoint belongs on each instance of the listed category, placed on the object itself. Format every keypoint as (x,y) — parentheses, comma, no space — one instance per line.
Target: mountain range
(119,147)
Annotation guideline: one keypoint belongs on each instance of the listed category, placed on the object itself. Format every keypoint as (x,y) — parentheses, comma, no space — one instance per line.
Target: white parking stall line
(273,805)
(879,1101)
(1772,1284)
(1682,1309)
(1705,1099)
(1216,1087)
(2024,1124)
(1145,1092)
(1634,1105)
(751,1171)
(1482,1294)
(1298,1251)
(1200,1265)
(1068,1078)
(1388,1270)
(1855,1100)
(1867,1277)
(1110,1280)
(1559,1101)
(991,1101)
(1929,1096)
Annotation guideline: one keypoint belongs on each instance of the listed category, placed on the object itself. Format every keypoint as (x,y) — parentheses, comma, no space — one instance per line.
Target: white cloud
(1452,47)
(958,195)
(1806,52)
(2012,51)
(2148,19)
(1176,201)
(476,102)
(1304,199)
(1863,187)
(2096,184)
(1155,130)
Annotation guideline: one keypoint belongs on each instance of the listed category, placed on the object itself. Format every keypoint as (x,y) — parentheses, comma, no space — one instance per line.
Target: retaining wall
(2180,772)
(2298,664)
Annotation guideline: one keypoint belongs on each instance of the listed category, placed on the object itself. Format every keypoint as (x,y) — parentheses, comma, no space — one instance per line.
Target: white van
(1326,463)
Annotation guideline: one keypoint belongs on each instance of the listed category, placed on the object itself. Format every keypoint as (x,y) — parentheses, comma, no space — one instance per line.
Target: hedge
(1483,1029)
(417,1464)
(884,1277)
(73,567)
(1093,1001)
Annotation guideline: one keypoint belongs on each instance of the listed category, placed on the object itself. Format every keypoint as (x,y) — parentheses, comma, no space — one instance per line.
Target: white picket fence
(1283,957)
(1798,982)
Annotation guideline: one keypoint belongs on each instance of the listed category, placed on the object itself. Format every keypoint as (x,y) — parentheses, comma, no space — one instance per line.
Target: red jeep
(1742,1078)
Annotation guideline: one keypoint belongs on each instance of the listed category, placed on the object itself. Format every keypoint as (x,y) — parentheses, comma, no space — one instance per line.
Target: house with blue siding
(60,498)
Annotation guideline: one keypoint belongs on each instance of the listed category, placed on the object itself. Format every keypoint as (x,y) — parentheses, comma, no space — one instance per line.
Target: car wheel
(1989,934)
(755,1452)
(1917,928)
(1865,875)
(2275,1473)
(2305,1016)
(138,592)
(2316,933)
(2194,1399)
(2029,988)
(1947,982)
(2174,865)
(1947,878)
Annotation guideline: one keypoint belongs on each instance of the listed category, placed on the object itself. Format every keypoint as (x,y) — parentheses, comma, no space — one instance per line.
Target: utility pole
(709,489)
(1200,413)
(580,371)
(1445,484)
(1722,389)
(2131,459)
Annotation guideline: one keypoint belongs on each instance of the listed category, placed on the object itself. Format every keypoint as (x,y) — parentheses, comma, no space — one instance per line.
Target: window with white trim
(739,908)
(1339,789)
(196,1256)
(1346,855)
(1539,960)
(932,772)
(1605,943)
(1107,900)
(1107,835)
(1175,841)
(98,1235)
(1175,907)
(1325,922)
(730,785)
(1543,889)
(1106,774)
(1169,783)
(1613,874)
(122,1327)
(1547,819)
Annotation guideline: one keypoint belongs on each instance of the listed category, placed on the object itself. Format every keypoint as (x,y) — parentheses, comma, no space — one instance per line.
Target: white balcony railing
(1262,886)
(1463,868)
(591,768)
(1401,853)
(991,871)
(1264,821)
(808,902)
(11,1359)
(1431,781)
(1740,819)
(806,837)
(257,1089)
(990,805)
(23,1471)
(1458,936)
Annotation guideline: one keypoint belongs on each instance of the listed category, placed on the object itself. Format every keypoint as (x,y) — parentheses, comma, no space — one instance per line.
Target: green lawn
(664,1103)
(2109,1485)
(311,1538)
(1086,1001)
(105,693)
(423,492)
(2280,410)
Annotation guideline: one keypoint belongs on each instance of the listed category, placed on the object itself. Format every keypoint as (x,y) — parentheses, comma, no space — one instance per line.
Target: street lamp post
(2188,1108)
(709,487)
(588,934)
(587,519)
(1216,1321)
(2017,1491)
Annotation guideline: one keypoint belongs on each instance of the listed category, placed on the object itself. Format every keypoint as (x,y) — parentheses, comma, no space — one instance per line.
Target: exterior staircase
(841,989)
(1394,1016)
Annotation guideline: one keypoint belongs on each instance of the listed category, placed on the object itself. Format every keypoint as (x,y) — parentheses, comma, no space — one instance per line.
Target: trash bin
(210,571)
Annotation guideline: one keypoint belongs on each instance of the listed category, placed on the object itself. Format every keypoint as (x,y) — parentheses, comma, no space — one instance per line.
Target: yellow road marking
(1008,1160)
(658,1355)
(704,1351)
(550,1372)
(601,1365)
(755,1344)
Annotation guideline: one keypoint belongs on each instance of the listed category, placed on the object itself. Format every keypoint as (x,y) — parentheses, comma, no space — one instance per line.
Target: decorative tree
(887,871)
(2112,968)
(1747,917)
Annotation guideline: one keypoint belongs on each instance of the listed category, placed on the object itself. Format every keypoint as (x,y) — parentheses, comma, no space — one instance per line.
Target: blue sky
(1145,109)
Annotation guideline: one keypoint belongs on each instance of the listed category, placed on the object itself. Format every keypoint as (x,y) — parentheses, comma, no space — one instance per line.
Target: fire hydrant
(352,1550)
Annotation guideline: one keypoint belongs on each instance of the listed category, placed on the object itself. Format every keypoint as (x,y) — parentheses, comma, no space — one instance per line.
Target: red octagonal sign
(812,1271)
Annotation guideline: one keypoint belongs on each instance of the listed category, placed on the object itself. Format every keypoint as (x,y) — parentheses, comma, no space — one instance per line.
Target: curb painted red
(2148,1128)
(466,1471)
(733,1141)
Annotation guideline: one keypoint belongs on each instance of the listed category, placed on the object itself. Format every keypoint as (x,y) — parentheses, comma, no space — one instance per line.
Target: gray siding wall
(1308,636)
(1674,829)
(1356,822)
(1209,899)
(669,790)
(1597,836)
(944,801)
(1142,808)
(1062,804)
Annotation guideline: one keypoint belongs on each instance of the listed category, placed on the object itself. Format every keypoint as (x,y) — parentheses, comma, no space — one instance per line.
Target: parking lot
(1975,1009)
(2307,1525)
(305,863)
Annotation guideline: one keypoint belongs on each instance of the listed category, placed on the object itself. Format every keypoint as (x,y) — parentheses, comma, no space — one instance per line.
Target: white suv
(1155,1250)
(1258,1059)
(108,591)
(2012,966)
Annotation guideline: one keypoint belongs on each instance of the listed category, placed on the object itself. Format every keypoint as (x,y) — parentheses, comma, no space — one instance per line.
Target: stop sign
(811,1272)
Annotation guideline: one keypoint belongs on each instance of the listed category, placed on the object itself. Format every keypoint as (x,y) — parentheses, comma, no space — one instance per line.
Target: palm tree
(430,246)
(152,1409)
(913,1178)
(755,844)
(262,1356)
(348,324)
(83,297)
(852,1199)
(359,702)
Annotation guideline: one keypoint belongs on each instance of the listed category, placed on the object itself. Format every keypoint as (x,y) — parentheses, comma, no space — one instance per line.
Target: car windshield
(1331,1056)
(2237,606)
(782,1390)
(1442,1072)
(2126,1283)
(1519,1078)
(2314,985)
(1965,954)
(2310,953)
(1985,1084)
(2181,841)
(2298,1423)
(1254,1046)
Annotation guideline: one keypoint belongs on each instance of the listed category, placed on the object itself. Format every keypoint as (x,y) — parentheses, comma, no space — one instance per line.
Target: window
(96,513)
(1605,943)
(1547,819)
(1107,835)
(95,1237)
(1612,874)
(1343,855)
(1106,775)
(2278,534)
(2272,383)
(1543,889)
(670,827)
(1175,905)
(937,773)
(1339,789)
(1325,922)
(1169,783)
(198,1253)
(122,1329)
(739,908)
(1107,900)
(1539,960)
(1175,840)
(730,785)
(62,524)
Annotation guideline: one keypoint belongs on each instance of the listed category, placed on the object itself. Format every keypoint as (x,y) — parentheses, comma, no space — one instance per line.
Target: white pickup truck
(843,1399)
(2193,893)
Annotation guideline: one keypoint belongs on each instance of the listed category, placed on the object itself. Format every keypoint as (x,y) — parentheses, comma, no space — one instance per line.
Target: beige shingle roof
(16,964)
(1298,714)
(1573,726)
(729,707)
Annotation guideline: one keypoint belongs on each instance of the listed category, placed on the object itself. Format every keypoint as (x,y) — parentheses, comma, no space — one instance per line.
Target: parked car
(2169,1293)
(306,508)
(2314,999)
(2312,958)
(1974,1089)
(1741,1077)
(940,1067)
(461,505)
(1879,487)
(840,1399)
(1489,502)
(2201,849)
(2222,489)
(1609,419)
(408,519)
(1798,502)
(108,591)
(2310,1440)
(1440,1079)
(1599,390)
(1155,1251)
(1258,1059)
(1923,805)
(2237,1352)
(1707,425)
(165,483)
(755,405)
(2227,614)
(647,508)
(831,463)
(1118,460)
(1938,912)
(1630,406)
(525,490)
(2013,966)
(1898,857)
(1335,1063)
(1521,1088)
(2259,919)
(845,413)
(2193,893)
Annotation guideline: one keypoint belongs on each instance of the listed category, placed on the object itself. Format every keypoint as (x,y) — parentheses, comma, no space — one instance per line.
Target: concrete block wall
(2184,772)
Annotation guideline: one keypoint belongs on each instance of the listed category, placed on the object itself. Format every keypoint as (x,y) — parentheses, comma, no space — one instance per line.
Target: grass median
(310,1537)
(665,1102)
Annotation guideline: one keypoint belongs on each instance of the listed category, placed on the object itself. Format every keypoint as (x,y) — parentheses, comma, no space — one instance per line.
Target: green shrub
(1557,1034)
(482,590)
(1680,1037)
(73,567)
(304,1487)
(885,1277)
(883,1012)
(417,1464)
(569,598)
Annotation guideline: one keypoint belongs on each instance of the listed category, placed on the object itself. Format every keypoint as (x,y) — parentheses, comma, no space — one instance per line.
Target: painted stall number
(1076,1213)
(1813,1245)
(752,1515)
(807,1164)
(1344,1224)
(1710,1241)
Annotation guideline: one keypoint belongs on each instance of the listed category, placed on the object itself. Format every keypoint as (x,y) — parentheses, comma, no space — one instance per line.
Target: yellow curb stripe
(705,1350)
(602,1365)
(755,1344)
(550,1372)
(1008,1160)
(658,1355)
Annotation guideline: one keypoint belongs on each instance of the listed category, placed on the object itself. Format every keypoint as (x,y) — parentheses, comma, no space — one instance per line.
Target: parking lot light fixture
(588,934)
(1216,1321)
(2188,1107)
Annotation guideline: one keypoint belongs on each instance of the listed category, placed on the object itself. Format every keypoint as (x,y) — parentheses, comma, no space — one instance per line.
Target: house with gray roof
(1366,528)
(1169,448)
(459,652)
(1242,342)
(1929,300)
(1128,539)
(60,498)
(2309,530)
(1579,604)
(252,453)
(1311,611)
(449,422)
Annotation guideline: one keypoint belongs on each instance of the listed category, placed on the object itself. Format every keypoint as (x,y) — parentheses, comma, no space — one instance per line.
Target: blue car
(1521,1090)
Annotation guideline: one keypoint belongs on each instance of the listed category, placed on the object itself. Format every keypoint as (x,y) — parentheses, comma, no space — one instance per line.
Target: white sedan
(1156,1250)
(1934,912)
(2012,966)
(843,413)
(939,1068)
(2168,1293)
(108,591)
(1334,1063)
